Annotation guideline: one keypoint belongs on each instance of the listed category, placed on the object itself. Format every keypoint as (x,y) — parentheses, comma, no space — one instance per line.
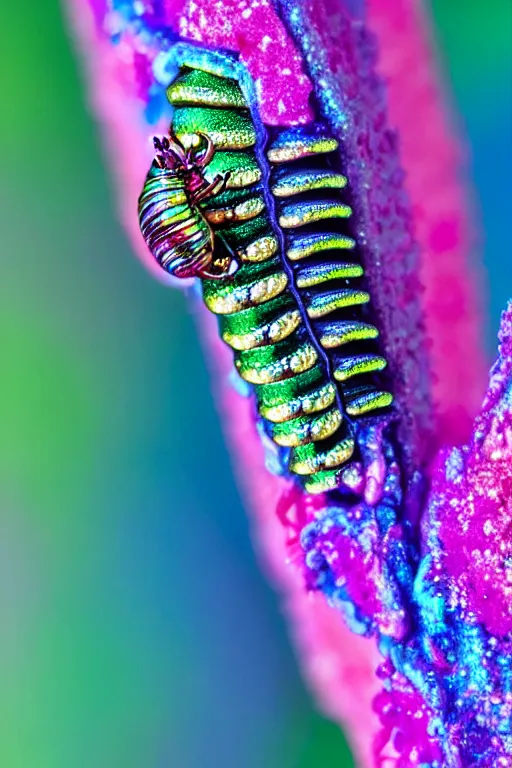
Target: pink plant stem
(339,665)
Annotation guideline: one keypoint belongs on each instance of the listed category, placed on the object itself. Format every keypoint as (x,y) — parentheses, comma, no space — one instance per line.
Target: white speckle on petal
(265,42)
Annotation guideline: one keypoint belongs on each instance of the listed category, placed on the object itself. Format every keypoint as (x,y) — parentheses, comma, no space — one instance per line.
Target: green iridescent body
(296,313)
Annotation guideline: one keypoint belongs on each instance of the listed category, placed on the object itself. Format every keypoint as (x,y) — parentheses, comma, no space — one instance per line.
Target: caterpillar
(269,232)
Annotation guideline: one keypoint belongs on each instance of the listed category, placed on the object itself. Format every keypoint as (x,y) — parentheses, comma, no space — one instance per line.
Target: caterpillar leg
(217,186)
(221,267)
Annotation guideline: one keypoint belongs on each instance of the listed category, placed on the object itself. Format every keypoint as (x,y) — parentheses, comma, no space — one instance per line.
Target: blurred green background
(136,629)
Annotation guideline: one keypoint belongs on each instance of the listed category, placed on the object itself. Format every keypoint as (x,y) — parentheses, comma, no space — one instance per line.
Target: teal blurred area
(136,628)
(475,47)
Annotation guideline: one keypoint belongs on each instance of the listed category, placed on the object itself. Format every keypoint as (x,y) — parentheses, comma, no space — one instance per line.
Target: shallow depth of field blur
(136,630)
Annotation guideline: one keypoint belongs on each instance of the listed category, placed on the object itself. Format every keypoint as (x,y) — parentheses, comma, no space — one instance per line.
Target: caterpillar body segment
(319,244)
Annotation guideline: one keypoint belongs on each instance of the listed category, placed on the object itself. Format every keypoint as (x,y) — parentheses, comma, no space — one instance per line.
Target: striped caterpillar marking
(296,313)
(175,229)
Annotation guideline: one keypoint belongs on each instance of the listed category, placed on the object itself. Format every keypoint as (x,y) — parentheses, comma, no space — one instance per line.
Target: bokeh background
(136,629)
